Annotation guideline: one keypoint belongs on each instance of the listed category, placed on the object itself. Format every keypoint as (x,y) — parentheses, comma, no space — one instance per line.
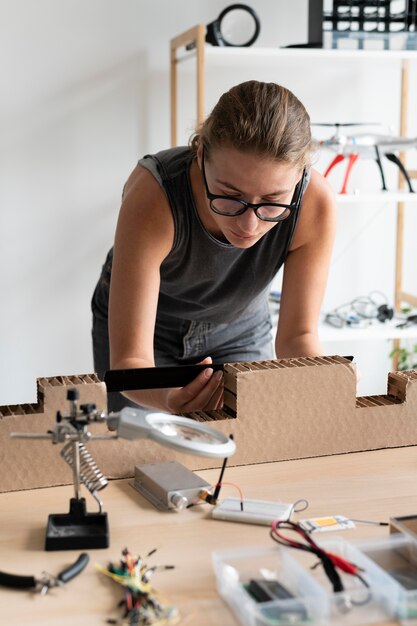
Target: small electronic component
(168,485)
(326,524)
(266,590)
(252,512)
(262,590)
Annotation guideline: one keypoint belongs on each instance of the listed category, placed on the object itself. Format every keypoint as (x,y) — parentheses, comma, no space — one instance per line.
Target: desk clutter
(78,528)
(281,409)
(141,604)
(304,580)
(335,582)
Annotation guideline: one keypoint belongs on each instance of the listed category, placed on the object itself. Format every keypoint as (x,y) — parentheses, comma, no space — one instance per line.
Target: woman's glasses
(266,211)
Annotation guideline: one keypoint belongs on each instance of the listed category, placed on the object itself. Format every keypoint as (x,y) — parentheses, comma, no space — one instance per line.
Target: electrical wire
(298,510)
(332,563)
(141,604)
(208,497)
(368,521)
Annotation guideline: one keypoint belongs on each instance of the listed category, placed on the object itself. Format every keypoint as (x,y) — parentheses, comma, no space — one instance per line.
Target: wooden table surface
(367,485)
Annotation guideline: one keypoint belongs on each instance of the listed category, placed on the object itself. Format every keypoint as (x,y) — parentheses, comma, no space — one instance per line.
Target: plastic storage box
(397,557)
(312,601)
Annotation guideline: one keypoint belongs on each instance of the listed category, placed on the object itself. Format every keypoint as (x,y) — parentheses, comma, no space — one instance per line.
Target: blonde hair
(264,118)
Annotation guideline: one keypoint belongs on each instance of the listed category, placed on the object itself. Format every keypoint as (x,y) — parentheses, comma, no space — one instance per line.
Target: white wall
(85,92)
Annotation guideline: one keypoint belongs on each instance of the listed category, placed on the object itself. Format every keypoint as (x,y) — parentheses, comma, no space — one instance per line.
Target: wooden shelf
(247,57)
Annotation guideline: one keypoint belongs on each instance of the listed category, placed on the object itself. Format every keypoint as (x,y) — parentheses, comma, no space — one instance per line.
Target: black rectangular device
(154,377)
(158,377)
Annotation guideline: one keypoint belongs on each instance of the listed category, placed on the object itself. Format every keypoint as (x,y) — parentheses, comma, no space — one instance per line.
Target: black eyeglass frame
(294,204)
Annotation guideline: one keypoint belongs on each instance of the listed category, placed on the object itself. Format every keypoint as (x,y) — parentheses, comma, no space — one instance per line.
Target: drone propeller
(338,124)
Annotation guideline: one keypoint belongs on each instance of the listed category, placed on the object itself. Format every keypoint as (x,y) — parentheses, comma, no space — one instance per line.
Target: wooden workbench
(368,485)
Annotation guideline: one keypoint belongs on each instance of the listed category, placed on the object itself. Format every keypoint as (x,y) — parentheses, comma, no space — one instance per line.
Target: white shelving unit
(243,56)
(376,330)
(371,331)
(380,197)
(190,47)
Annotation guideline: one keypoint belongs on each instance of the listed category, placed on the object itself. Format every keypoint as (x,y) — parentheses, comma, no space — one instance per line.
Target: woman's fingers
(204,392)
(217,398)
(199,393)
(208,359)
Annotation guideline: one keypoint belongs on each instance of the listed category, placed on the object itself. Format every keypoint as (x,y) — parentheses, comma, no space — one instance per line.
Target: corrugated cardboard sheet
(276,410)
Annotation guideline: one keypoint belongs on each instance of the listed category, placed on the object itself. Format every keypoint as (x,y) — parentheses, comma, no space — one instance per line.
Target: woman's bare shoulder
(318,211)
(145,214)
(319,189)
(142,187)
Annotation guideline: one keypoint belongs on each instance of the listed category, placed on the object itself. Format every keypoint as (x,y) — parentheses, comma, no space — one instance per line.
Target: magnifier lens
(182,431)
(237,27)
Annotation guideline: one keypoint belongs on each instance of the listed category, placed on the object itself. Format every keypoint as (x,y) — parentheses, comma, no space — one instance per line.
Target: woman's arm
(305,272)
(144,237)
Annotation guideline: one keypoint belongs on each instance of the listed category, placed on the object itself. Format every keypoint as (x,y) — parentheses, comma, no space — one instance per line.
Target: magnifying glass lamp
(237,25)
(181,433)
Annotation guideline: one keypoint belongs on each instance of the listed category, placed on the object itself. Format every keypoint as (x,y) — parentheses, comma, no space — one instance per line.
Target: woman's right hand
(205,392)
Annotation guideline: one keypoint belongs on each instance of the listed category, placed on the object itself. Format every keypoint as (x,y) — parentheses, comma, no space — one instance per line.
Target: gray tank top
(203,279)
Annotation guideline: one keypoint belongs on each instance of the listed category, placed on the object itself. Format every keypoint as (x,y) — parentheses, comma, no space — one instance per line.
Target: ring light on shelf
(237,25)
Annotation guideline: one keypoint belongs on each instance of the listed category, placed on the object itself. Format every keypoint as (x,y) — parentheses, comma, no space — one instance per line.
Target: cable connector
(208,497)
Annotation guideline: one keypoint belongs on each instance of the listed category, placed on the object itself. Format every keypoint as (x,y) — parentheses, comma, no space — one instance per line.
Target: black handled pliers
(45,581)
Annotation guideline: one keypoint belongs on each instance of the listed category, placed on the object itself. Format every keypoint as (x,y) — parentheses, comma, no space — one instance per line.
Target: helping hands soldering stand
(79,529)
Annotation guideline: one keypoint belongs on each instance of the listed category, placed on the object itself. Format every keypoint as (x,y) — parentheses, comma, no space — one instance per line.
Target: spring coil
(90,474)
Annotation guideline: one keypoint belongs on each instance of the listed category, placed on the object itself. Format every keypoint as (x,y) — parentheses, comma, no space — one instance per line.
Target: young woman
(202,232)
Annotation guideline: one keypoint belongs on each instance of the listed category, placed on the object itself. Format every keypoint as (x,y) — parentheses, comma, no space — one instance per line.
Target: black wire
(328,566)
(367,521)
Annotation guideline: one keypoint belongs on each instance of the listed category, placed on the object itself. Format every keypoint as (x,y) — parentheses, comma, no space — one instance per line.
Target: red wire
(343,564)
(338,561)
(231,484)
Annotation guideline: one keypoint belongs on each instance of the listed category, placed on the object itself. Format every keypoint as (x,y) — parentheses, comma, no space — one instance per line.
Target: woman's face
(249,177)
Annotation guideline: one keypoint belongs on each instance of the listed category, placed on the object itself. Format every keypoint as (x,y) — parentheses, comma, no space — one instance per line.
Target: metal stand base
(77,529)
